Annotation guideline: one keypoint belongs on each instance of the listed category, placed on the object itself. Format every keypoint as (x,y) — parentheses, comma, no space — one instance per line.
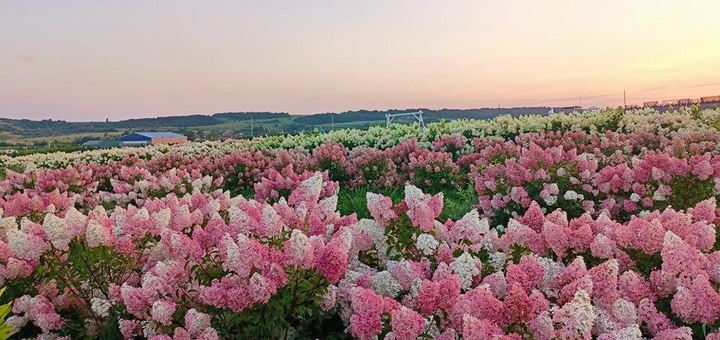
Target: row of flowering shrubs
(211,266)
(578,172)
(645,121)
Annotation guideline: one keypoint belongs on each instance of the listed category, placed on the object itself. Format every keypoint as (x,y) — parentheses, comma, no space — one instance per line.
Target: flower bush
(433,170)
(331,157)
(372,167)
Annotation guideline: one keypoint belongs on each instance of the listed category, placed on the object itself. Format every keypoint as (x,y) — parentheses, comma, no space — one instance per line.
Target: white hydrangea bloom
(313,185)
(385,284)
(571,195)
(163,218)
(57,231)
(377,235)
(550,200)
(101,307)
(464,266)
(426,243)
(497,260)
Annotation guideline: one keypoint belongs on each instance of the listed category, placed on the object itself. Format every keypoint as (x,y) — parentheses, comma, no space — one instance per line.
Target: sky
(90,60)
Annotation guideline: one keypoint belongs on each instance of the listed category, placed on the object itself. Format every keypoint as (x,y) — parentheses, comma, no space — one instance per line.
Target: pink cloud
(25,58)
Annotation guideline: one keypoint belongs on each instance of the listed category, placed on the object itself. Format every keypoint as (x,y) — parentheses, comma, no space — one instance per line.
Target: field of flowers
(596,225)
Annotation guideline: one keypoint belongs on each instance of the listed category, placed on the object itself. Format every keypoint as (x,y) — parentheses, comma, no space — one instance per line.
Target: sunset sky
(88,60)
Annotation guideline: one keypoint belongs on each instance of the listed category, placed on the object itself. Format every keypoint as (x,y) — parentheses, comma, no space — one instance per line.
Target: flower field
(596,225)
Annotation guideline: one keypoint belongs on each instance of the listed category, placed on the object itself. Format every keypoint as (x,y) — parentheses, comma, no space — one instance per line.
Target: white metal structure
(418,115)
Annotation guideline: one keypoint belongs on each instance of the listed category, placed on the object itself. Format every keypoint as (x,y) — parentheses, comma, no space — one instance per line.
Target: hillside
(41,132)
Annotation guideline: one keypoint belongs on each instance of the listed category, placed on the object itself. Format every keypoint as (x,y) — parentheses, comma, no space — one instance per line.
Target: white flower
(635,197)
(658,196)
(464,266)
(471,227)
(385,284)
(96,234)
(312,186)
(57,231)
(101,307)
(571,195)
(550,200)
(426,243)
(329,299)
(298,249)
(378,237)
(196,322)
(497,260)
(163,218)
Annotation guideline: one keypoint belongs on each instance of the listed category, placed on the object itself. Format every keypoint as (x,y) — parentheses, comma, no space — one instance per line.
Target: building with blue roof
(151,138)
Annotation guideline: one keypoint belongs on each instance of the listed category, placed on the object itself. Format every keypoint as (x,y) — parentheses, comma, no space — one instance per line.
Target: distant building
(150,138)
(109,143)
(92,143)
(566,109)
(102,144)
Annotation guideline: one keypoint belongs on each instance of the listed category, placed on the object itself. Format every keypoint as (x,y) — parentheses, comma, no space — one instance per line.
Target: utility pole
(624,101)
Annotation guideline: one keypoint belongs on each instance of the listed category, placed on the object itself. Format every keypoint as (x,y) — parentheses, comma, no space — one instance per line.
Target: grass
(458,202)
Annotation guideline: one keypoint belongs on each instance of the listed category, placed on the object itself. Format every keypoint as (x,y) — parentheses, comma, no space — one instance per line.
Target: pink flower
(698,302)
(542,327)
(368,307)
(517,305)
(299,250)
(99,234)
(406,323)
(656,322)
(633,287)
(681,333)
(603,247)
(380,208)
(162,311)
(260,288)
(331,259)
(482,329)
(129,328)
(679,257)
(605,279)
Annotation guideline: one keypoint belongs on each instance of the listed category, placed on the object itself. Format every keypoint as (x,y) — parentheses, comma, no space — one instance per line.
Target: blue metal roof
(137,136)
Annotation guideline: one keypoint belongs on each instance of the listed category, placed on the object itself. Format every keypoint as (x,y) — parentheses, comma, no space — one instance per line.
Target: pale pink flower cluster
(277,184)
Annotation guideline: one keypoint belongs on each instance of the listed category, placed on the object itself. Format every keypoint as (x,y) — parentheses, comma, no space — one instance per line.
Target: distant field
(25,133)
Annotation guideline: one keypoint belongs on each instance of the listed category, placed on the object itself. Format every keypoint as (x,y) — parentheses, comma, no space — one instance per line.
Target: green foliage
(293,309)
(434,182)
(457,202)
(336,171)
(354,200)
(5,330)
(687,192)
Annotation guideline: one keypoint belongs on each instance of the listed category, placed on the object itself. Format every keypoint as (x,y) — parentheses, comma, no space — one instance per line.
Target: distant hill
(27,131)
